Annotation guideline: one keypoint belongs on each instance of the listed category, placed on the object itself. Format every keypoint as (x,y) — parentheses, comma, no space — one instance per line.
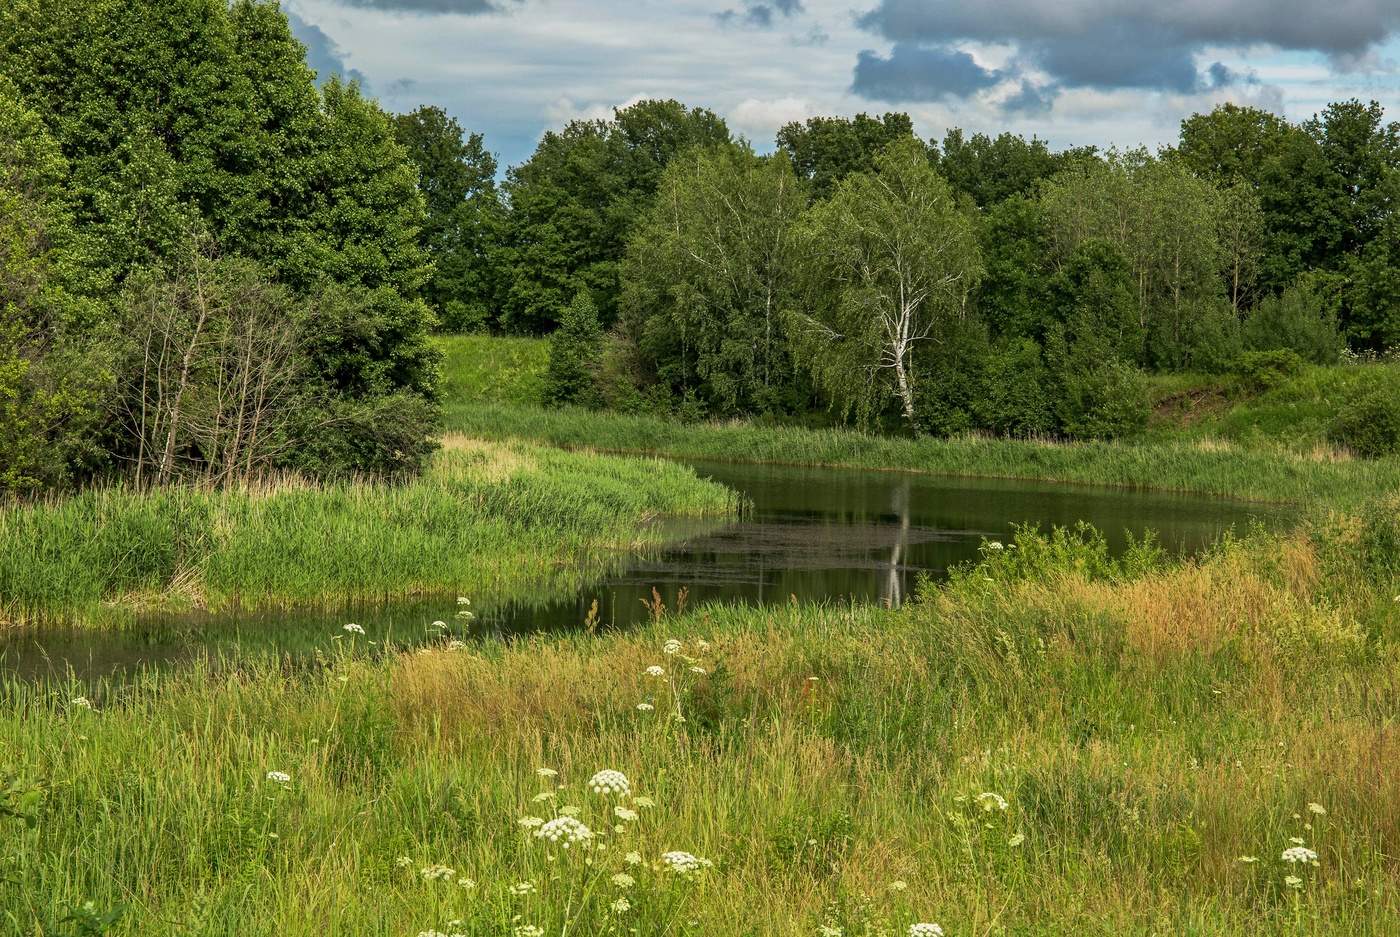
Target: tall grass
(493,369)
(485,517)
(1152,773)
(1177,466)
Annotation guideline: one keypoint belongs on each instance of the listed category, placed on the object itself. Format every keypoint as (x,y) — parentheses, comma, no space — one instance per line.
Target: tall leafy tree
(457,177)
(893,260)
(709,271)
(990,170)
(54,375)
(825,150)
(573,204)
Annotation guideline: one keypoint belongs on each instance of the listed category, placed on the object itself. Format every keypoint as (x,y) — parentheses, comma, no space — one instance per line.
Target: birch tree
(891,260)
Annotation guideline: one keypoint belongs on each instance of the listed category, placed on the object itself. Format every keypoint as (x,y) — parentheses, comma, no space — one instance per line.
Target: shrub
(574,350)
(1299,319)
(1265,370)
(1369,423)
(1106,401)
(1017,398)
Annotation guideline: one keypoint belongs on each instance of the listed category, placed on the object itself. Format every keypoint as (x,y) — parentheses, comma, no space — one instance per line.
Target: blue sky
(1106,72)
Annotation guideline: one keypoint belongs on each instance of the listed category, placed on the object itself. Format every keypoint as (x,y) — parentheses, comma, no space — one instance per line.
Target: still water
(819,535)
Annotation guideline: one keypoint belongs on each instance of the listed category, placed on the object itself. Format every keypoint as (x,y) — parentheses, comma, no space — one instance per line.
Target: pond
(816,535)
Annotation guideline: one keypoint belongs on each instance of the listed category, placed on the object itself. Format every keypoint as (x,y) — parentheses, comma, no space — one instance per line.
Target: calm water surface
(821,535)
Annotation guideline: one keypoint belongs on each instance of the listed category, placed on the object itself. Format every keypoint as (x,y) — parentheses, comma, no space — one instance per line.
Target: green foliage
(890,259)
(1299,319)
(1019,394)
(574,349)
(1265,370)
(1369,422)
(709,271)
(55,374)
(989,171)
(825,150)
(465,217)
(1102,400)
(575,201)
(492,369)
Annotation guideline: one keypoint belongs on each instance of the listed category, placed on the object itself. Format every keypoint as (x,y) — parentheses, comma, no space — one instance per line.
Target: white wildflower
(437,873)
(898,885)
(440,625)
(925,930)
(621,906)
(672,647)
(624,813)
(522,888)
(698,670)
(633,858)
(1248,860)
(80,702)
(1318,809)
(990,802)
(1293,881)
(564,832)
(569,811)
(352,628)
(829,930)
(995,545)
(683,863)
(623,880)
(279,777)
(463,600)
(403,862)
(528,930)
(547,772)
(609,781)
(1300,854)
(656,670)
(542,796)
(645,707)
(643,801)
(466,882)
(1015,839)
(531,823)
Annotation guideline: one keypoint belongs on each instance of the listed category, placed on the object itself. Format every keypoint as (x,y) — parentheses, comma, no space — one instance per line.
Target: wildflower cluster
(682,669)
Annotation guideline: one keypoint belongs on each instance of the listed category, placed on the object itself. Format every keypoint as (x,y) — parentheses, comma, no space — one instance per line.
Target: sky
(1104,72)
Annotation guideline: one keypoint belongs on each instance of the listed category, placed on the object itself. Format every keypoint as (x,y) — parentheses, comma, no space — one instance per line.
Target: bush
(1369,423)
(1299,319)
(574,349)
(1018,393)
(1106,401)
(392,434)
(1265,370)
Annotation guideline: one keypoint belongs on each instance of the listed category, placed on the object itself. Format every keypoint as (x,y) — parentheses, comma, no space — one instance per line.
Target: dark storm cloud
(759,13)
(920,73)
(322,54)
(1130,44)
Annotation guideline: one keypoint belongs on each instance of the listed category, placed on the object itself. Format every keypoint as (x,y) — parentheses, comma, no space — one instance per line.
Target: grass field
(1052,744)
(492,369)
(485,517)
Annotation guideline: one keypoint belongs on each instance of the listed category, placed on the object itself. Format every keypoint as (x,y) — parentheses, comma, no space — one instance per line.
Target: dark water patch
(813,535)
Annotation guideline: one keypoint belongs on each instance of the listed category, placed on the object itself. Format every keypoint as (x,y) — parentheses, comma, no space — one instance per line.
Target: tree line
(968,283)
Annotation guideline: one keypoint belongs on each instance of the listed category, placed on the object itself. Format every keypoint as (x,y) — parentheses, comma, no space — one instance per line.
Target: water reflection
(811,535)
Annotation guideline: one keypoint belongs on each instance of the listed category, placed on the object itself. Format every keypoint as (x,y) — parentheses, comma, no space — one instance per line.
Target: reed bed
(485,516)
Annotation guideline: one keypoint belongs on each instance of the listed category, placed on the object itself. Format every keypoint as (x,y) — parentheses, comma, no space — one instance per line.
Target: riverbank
(1197,467)
(1054,743)
(487,516)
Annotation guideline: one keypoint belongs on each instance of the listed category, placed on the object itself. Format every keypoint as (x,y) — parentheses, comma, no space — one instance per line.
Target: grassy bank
(486,517)
(1294,416)
(1174,466)
(1053,744)
(492,369)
